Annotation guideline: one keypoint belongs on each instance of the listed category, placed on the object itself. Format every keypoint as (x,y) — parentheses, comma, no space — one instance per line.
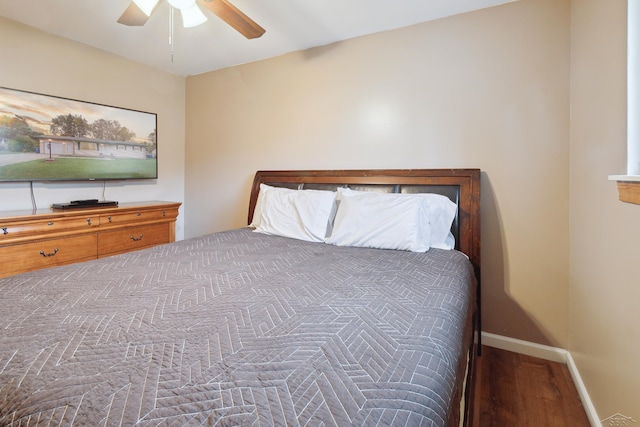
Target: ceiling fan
(139,12)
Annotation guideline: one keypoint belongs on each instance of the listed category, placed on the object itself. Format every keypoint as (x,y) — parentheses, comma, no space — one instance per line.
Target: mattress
(238,328)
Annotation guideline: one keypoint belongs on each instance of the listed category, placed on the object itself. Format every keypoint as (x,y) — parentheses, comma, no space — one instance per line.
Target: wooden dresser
(51,237)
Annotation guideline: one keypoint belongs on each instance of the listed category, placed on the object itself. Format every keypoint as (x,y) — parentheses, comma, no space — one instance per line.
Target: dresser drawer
(46,253)
(132,238)
(139,216)
(26,228)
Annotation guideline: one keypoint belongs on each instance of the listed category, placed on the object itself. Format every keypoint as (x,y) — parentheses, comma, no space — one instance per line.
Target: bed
(245,328)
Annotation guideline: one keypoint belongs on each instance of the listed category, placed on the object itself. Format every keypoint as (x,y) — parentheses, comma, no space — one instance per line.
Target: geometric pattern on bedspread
(237,328)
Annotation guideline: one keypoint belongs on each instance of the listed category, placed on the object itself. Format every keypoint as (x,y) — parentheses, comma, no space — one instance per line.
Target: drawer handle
(50,223)
(139,214)
(44,254)
(136,239)
(4,230)
(109,218)
(164,213)
(88,221)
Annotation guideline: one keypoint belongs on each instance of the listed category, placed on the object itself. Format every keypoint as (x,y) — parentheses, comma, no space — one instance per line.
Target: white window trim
(633,94)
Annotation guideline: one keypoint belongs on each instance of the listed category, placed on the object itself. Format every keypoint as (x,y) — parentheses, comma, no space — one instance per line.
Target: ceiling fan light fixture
(192,16)
(146,6)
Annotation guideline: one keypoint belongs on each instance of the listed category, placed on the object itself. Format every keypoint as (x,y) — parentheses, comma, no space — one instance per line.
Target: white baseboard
(553,354)
(583,393)
(546,352)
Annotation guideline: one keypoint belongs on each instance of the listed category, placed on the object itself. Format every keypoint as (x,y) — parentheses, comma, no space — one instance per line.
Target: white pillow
(299,214)
(441,211)
(381,220)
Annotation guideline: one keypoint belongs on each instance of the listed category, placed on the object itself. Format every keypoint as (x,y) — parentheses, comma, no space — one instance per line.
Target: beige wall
(605,233)
(487,89)
(35,61)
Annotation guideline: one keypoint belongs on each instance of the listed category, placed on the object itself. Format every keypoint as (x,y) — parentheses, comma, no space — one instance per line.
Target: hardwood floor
(517,390)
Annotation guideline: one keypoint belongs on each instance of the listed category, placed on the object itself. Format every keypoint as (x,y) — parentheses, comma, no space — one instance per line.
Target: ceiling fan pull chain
(171,31)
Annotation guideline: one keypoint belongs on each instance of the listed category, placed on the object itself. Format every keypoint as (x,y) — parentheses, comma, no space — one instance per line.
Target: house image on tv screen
(88,147)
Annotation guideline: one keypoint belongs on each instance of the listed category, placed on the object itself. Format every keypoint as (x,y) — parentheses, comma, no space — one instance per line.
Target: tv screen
(49,138)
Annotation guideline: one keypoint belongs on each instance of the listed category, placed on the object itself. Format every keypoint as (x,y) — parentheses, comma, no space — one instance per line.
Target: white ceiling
(290,25)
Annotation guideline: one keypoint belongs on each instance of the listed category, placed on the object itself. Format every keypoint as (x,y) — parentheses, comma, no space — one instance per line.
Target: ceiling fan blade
(234,17)
(133,16)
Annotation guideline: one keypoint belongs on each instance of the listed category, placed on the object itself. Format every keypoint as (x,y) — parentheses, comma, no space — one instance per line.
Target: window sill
(628,188)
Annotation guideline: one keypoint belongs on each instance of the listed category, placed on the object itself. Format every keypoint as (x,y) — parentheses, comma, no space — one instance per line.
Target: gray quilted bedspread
(237,328)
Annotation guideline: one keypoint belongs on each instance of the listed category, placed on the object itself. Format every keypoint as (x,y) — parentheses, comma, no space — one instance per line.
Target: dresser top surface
(26,214)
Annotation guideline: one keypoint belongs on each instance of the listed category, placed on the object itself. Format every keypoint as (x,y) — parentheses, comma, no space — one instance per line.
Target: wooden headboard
(462,186)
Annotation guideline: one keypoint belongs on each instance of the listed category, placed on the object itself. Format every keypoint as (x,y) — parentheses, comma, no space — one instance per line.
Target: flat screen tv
(50,138)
